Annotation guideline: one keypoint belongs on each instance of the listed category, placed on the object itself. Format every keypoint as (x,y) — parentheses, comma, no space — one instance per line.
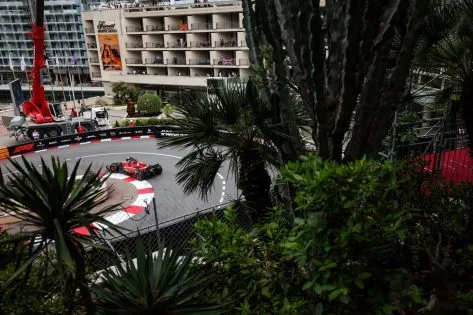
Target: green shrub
(153,121)
(123,92)
(367,238)
(168,109)
(149,103)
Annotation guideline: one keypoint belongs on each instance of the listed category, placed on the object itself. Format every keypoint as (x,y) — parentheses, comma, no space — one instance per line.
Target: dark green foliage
(124,92)
(367,239)
(149,103)
(166,282)
(30,293)
(249,267)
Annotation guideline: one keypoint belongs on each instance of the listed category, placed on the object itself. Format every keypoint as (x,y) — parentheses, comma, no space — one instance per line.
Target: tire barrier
(93,136)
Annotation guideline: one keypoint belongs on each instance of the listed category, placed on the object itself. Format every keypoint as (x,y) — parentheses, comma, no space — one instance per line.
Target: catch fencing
(173,233)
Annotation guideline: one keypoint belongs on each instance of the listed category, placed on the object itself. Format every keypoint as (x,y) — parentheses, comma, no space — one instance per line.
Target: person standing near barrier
(35,135)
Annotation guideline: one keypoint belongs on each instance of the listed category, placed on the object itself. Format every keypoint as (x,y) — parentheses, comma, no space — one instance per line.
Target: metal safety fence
(173,233)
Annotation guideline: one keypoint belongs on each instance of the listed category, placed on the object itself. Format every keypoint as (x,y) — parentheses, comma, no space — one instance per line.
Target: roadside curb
(145,197)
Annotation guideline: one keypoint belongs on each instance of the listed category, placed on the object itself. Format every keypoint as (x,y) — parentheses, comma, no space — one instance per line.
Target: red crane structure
(37,108)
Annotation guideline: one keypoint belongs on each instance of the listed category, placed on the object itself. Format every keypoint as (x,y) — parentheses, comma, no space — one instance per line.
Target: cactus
(360,36)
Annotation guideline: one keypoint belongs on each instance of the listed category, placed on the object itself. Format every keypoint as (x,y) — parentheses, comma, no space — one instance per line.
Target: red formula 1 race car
(135,168)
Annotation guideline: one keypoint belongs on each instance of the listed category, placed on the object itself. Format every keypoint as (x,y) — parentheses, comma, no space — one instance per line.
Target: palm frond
(199,168)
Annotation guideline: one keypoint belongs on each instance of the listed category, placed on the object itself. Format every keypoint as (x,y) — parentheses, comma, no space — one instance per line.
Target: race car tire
(157,169)
(112,168)
(139,175)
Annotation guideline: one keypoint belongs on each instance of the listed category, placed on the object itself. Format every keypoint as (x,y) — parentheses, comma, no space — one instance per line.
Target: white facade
(169,47)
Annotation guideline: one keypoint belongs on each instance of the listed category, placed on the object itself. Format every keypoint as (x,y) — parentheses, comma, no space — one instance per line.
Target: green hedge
(153,121)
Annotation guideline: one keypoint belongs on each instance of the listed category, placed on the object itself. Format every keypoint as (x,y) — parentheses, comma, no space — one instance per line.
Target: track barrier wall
(94,136)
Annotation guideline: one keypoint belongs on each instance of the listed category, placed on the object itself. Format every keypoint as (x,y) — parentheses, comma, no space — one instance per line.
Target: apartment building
(167,47)
(64,36)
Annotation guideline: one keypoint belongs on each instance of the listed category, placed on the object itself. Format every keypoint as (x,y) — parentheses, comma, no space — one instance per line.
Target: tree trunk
(254,181)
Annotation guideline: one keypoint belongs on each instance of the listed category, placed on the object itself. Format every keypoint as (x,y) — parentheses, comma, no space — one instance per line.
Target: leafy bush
(153,121)
(248,266)
(123,92)
(149,103)
(367,238)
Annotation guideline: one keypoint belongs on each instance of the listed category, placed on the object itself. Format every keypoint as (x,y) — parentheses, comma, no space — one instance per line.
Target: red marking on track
(134,209)
(114,139)
(96,141)
(129,179)
(146,191)
(135,137)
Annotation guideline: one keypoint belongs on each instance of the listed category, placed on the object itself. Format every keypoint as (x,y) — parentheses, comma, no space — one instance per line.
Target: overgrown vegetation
(124,92)
(153,121)
(367,239)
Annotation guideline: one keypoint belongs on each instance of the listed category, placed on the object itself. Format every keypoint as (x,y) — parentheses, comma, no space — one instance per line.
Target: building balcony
(222,26)
(231,62)
(95,75)
(94,60)
(132,29)
(131,61)
(175,61)
(154,28)
(154,61)
(182,80)
(225,43)
(204,44)
(199,62)
(134,45)
(92,45)
(176,45)
(201,26)
(225,62)
(89,30)
(154,45)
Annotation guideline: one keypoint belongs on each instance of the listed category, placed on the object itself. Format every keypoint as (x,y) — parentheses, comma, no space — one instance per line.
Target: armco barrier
(157,131)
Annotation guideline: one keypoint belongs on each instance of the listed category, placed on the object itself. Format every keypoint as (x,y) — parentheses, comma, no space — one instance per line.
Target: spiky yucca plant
(167,282)
(53,202)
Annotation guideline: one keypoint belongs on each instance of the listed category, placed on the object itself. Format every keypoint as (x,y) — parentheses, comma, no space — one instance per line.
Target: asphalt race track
(171,201)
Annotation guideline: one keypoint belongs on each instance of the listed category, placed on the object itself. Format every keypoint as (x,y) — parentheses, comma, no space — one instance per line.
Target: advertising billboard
(109,46)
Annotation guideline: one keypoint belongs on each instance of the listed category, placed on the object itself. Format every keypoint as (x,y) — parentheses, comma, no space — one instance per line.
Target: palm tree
(225,127)
(165,283)
(53,202)
(446,42)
